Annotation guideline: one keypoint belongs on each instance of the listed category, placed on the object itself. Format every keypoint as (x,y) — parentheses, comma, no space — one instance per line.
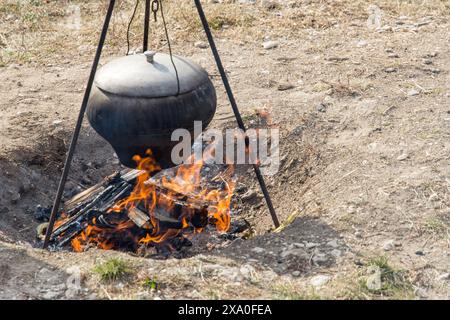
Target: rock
(201,45)
(258,250)
(42,214)
(299,130)
(285,86)
(431,55)
(270,45)
(238,226)
(402,157)
(390,70)
(435,70)
(420,293)
(413,92)
(15,197)
(297,252)
(393,55)
(419,253)
(250,194)
(333,243)
(427,61)
(270,4)
(373,281)
(336,253)
(322,107)
(362,43)
(309,245)
(248,271)
(319,280)
(320,259)
(50,295)
(444,277)
(296,273)
(388,245)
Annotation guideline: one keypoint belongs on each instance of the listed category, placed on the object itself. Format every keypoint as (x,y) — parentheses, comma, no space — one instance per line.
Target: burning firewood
(131,209)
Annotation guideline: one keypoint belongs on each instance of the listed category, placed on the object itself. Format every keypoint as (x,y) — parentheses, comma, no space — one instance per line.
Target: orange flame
(148,195)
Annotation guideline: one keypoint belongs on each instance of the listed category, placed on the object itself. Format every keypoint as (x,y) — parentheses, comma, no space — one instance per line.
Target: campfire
(147,207)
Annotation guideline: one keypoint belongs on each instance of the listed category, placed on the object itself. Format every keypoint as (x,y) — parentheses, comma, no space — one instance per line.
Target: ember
(148,207)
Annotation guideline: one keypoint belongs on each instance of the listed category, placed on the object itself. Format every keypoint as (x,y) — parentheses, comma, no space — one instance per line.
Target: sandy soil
(364,148)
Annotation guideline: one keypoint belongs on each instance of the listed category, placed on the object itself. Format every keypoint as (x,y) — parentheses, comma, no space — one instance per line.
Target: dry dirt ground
(360,91)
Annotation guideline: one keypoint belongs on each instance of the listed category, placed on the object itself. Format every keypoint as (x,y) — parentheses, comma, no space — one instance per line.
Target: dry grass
(31,30)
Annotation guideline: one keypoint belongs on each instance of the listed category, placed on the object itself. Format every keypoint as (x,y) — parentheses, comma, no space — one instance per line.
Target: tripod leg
(146,25)
(235,107)
(77,129)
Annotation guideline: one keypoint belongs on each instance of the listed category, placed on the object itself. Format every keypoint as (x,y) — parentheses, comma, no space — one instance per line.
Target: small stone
(15,198)
(431,55)
(435,70)
(258,250)
(427,61)
(336,253)
(270,45)
(420,293)
(413,92)
(362,43)
(333,243)
(320,259)
(390,70)
(200,45)
(50,295)
(42,214)
(285,86)
(322,107)
(444,277)
(419,253)
(373,282)
(402,157)
(389,245)
(310,245)
(296,273)
(393,55)
(298,252)
(270,4)
(250,194)
(299,130)
(319,280)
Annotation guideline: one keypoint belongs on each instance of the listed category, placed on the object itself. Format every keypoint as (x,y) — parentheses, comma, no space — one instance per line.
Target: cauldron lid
(149,75)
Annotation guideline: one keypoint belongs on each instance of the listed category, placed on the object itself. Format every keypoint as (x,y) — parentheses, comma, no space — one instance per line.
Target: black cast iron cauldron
(134,104)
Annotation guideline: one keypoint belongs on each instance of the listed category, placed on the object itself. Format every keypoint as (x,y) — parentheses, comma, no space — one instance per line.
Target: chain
(155,8)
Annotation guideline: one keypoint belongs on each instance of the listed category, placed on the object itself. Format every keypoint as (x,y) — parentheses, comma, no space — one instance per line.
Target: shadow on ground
(24,277)
(306,244)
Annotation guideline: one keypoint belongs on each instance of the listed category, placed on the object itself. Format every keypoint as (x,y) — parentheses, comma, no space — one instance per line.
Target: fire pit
(135,209)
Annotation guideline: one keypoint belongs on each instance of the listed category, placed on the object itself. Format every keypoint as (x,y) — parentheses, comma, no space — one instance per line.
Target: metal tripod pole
(77,129)
(233,103)
(146,25)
